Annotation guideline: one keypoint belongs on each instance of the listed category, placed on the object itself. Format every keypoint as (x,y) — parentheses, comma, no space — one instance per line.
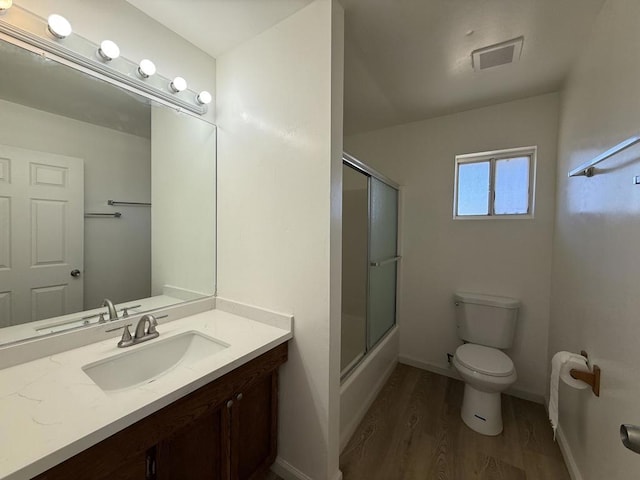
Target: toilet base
(482,411)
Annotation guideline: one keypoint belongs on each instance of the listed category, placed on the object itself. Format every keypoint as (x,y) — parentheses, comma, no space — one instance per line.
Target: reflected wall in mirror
(69,143)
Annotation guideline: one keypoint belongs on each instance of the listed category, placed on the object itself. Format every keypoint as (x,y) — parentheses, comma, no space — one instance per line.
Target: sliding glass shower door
(355,259)
(369,260)
(383,259)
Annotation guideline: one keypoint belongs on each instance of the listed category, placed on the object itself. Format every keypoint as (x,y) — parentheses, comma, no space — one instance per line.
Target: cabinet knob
(230,404)
(239,397)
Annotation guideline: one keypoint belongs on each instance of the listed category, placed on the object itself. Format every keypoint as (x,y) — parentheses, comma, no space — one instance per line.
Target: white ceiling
(407,60)
(216,26)
(410,60)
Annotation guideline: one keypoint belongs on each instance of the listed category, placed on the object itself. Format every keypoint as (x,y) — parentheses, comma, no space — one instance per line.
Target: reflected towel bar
(116,202)
(587,170)
(384,262)
(103,215)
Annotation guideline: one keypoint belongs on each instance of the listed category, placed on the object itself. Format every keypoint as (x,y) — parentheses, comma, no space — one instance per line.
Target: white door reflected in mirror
(41,239)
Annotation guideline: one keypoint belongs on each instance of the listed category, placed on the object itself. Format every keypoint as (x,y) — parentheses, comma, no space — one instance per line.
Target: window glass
(473,188)
(512,186)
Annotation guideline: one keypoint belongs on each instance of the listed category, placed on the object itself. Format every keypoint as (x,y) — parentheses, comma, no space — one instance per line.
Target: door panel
(46,301)
(41,235)
(383,235)
(382,298)
(48,228)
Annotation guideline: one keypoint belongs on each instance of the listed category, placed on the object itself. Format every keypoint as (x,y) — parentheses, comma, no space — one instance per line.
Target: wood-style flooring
(414,431)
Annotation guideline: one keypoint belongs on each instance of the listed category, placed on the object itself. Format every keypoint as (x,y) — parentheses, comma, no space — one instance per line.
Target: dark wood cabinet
(253,415)
(226,430)
(195,451)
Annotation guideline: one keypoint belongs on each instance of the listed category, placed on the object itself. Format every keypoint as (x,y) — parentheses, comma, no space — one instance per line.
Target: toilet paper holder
(591,378)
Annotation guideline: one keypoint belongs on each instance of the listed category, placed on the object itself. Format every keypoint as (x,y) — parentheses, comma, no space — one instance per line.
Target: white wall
(596,294)
(117,258)
(137,35)
(183,175)
(279,171)
(442,255)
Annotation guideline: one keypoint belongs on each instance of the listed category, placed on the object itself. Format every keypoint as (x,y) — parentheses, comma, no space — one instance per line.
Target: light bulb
(178,85)
(203,98)
(108,50)
(5,5)
(58,26)
(146,68)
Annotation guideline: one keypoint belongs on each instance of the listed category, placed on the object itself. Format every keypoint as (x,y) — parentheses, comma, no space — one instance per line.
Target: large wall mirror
(70,143)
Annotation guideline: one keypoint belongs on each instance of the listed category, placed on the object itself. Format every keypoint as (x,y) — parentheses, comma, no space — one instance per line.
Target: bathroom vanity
(224,430)
(212,413)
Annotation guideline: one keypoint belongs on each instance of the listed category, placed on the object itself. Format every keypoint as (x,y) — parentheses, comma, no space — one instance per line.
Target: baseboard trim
(567,454)
(431,367)
(287,471)
(451,372)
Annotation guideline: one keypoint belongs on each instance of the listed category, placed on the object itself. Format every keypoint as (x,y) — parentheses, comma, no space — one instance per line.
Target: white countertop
(50,410)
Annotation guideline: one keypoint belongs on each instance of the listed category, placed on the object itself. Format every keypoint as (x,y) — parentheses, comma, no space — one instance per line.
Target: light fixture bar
(33,31)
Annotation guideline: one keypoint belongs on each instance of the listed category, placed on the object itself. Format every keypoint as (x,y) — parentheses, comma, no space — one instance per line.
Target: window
(495,184)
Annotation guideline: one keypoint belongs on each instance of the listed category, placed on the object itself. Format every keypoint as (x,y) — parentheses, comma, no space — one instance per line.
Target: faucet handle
(153,323)
(126,339)
(125,310)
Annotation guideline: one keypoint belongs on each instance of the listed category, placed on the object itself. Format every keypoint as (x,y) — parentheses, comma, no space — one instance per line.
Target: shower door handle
(379,263)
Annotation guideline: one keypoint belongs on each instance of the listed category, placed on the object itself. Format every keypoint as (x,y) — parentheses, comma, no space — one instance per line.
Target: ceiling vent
(498,54)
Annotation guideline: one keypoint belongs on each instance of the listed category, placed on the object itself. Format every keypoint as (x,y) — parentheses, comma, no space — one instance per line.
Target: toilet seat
(486,360)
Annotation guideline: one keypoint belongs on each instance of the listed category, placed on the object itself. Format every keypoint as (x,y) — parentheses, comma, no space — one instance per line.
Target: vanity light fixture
(178,85)
(146,68)
(108,50)
(54,35)
(58,26)
(203,98)
(5,5)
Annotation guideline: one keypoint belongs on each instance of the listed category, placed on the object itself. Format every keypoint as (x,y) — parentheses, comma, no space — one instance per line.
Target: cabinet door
(254,428)
(134,469)
(198,451)
(87,466)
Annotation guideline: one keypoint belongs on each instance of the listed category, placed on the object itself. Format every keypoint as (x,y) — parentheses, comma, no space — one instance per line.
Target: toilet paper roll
(561,365)
(579,363)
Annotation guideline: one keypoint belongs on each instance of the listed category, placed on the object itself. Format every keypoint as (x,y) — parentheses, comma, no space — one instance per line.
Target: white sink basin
(146,362)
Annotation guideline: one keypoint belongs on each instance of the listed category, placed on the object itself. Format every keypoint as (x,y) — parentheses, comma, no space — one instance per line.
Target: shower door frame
(369,172)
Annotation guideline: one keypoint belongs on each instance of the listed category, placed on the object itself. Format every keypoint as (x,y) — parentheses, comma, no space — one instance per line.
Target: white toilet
(486,323)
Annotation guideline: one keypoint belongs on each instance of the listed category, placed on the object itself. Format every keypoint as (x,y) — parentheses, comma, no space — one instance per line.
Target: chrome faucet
(113,313)
(145,330)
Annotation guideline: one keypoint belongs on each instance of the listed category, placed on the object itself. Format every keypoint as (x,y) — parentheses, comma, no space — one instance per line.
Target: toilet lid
(487,360)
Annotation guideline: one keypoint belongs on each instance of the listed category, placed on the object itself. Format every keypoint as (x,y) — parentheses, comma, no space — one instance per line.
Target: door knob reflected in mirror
(75,273)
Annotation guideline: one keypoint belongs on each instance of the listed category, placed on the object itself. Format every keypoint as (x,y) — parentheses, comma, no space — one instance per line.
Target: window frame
(492,157)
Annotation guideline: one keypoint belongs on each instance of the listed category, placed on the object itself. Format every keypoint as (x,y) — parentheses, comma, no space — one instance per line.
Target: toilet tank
(486,319)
